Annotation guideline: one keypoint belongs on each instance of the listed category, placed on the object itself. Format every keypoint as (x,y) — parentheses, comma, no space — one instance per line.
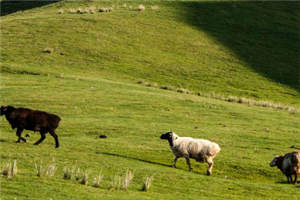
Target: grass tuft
(97,180)
(147,183)
(141,8)
(127,179)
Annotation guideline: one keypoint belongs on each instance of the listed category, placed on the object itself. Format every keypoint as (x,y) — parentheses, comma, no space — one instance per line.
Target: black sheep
(289,165)
(34,120)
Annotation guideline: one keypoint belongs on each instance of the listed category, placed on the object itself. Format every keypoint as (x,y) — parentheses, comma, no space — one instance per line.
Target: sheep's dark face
(275,161)
(168,136)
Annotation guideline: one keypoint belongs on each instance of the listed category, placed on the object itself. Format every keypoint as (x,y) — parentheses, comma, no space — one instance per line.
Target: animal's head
(5,109)
(170,136)
(275,161)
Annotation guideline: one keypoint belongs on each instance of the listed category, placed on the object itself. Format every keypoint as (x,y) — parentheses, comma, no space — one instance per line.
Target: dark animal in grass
(34,120)
(289,165)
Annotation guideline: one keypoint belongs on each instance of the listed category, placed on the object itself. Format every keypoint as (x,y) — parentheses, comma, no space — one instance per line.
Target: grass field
(89,80)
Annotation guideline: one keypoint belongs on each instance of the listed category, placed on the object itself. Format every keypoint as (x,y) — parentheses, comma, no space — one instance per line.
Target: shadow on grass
(11,6)
(132,158)
(146,161)
(265,35)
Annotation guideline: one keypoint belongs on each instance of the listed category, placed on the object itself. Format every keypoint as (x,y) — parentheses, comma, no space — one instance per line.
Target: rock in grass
(102,136)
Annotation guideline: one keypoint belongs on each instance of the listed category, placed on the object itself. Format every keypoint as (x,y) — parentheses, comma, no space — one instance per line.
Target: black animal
(34,120)
(289,165)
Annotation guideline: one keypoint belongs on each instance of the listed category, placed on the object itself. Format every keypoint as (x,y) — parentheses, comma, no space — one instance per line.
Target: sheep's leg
(210,166)
(55,138)
(188,163)
(18,133)
(41,139)
(174,162)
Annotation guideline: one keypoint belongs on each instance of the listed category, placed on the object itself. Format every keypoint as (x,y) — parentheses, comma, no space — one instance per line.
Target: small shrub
(147,183)
(141,8)
(127,179)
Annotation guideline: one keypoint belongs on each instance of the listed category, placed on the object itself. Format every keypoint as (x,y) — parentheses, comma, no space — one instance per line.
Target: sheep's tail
(214,149)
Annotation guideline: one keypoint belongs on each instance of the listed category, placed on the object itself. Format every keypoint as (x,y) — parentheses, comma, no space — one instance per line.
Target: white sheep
(199,149)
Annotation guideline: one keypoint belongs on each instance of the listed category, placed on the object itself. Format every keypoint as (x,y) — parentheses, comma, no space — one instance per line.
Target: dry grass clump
(10,169)
(51,170)
(40,169)
(116,183)
(68,173)
(48,50)
(72,10)
(183,90)
(140,82)
(154,7)
(60,11)
(127,179)
(105,9)
(141,8)
(85,178)
(80,11)
(97,180)
(165,87)
(151,84)
(147,183)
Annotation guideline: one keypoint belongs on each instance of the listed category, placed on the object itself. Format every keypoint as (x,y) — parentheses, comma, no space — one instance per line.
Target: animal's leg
(210,165)
(52,132)
(174,162)
(41,139)
(18,133)
(288,178)
(188,163)
(296,177)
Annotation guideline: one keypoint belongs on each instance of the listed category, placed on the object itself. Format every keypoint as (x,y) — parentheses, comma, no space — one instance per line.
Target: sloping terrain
(89,80)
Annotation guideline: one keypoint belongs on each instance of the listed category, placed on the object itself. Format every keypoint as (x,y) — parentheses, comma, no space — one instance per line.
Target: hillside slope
(89,80)
(230,48)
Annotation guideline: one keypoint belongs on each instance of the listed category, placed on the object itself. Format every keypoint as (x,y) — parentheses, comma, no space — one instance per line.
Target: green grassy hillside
(89,80)
(230,48)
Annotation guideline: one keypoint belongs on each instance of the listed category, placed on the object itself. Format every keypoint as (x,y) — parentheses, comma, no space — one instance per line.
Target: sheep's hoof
(174,166)
(208,173)
(191,170)
(18,141)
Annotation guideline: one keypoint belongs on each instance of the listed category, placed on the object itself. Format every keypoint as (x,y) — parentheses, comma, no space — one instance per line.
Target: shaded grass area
(265,35)
(192,45)
(133,117)
(12,6)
